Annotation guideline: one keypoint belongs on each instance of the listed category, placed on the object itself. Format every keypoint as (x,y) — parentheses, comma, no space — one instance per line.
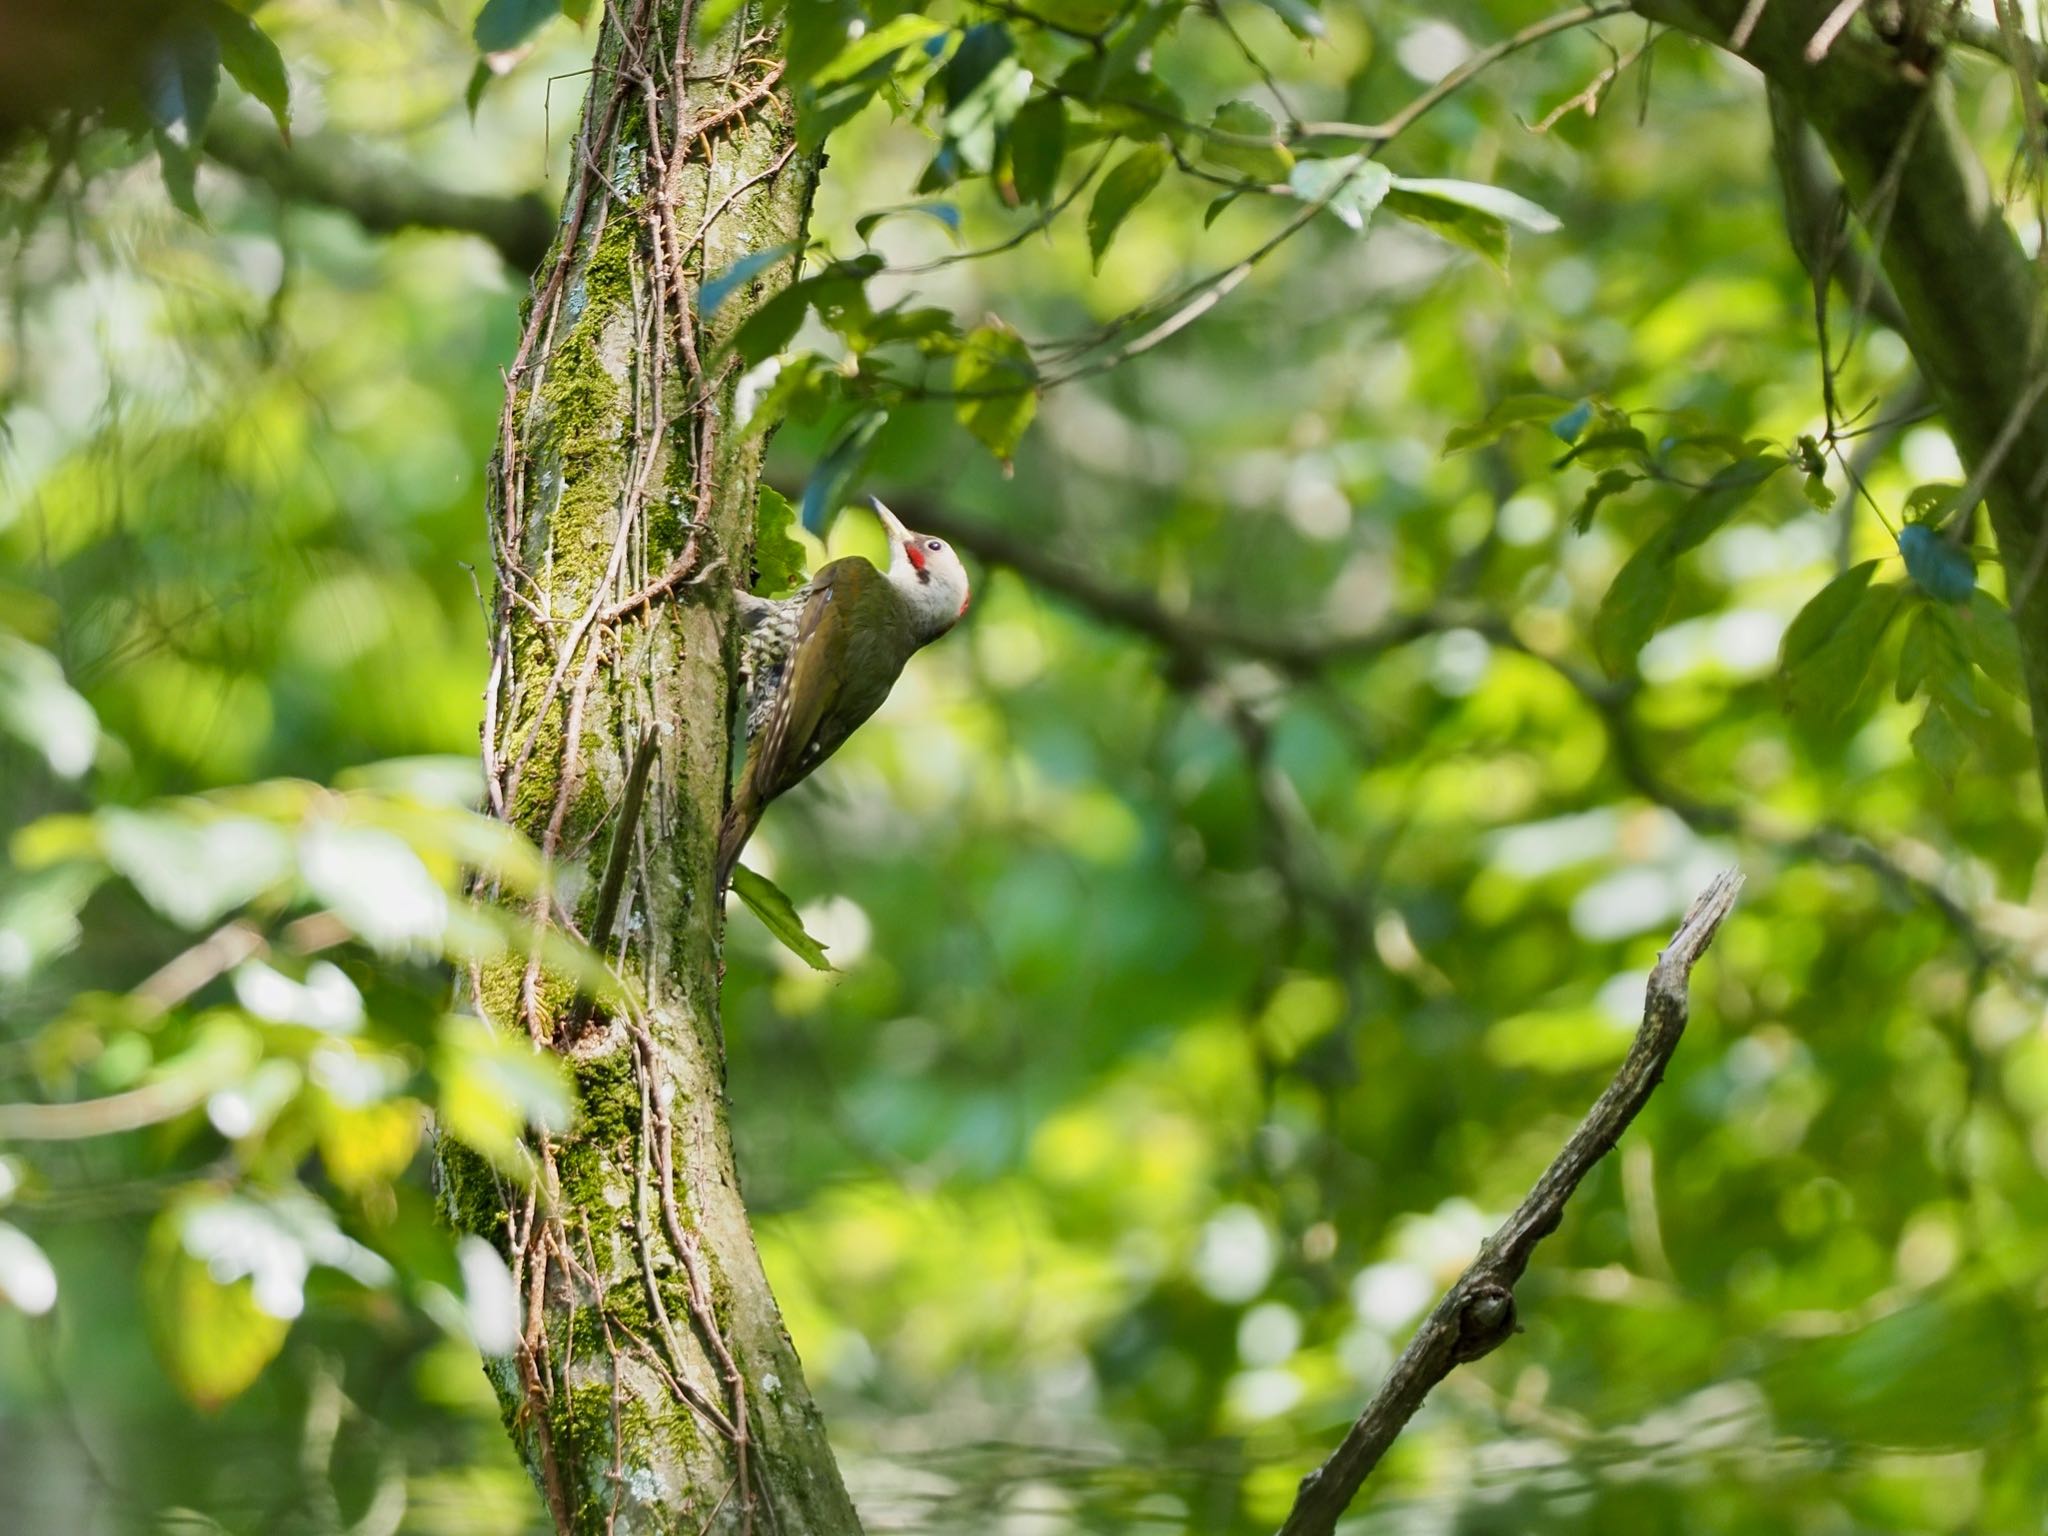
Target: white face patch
(932,581)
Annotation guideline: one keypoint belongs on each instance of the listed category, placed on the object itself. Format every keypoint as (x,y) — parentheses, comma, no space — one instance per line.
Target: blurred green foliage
(1194,1015)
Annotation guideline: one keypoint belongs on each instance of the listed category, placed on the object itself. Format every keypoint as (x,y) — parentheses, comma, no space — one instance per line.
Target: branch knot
(1486,1319)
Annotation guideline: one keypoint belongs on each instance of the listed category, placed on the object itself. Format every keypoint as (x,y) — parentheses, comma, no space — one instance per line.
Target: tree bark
(1972,299)
(655,1389)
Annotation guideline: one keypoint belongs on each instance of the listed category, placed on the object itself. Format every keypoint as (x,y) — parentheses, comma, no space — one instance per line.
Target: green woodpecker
(817,664)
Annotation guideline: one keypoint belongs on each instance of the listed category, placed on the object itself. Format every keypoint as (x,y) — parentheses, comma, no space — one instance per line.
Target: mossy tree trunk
(1973,299)
(655,1389)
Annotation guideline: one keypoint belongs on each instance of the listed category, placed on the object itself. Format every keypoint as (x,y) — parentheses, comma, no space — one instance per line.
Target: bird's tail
(733,832)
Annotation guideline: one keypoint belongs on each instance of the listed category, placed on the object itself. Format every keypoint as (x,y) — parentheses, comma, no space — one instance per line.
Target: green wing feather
(851,643)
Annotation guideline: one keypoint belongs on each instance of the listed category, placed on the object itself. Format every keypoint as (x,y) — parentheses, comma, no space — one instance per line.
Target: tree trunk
(1972,299)
(656,1389)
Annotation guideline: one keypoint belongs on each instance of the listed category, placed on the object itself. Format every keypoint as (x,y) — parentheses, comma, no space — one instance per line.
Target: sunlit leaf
(490,1299)
(39,707)
(27,1282)
(325,1000)
(193,868)
(370,1145)
(1265,158)
(985,88)
(494,1085)
(39,916)
(1497,202)
(375,883)
(778,915)
(997,385)
(1349,188)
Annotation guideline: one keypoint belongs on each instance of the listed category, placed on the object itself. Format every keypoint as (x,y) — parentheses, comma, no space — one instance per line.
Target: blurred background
(1195,1014)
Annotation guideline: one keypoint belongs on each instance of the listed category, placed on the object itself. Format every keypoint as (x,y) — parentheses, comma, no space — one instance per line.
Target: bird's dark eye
(933,544)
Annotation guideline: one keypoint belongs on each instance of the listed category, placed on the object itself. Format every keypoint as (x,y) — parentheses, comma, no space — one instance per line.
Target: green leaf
(1080,15)
(1827,649)
(774,325)
(180,167)
(1037,144)
(778,915)
(1300,15)
(1469,213)
(1495,202)
(38,707)
(503,25)
(850,79)
(1951,1371)
(982,48)
(1608,447)
(942,213)
(1934,656)
(1511,412)
(1612,482)
(493,1085)
(1349,188)
(805,388)
(1264,159)
(1727,493)
(778,558)
(997,383)
(985,88)
(716,290)
(712,15)
(1128,183)
(815,33)
(841,465)
(1992,641)
(253,60)
(878,45)
(1215,209)
(930,329)
(213,1339)
(1634,605)
(1940,743)
(1932,503)
(1477,231)
(191,869)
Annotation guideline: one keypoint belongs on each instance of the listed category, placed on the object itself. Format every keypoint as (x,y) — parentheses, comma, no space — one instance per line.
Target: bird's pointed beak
(898,534)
